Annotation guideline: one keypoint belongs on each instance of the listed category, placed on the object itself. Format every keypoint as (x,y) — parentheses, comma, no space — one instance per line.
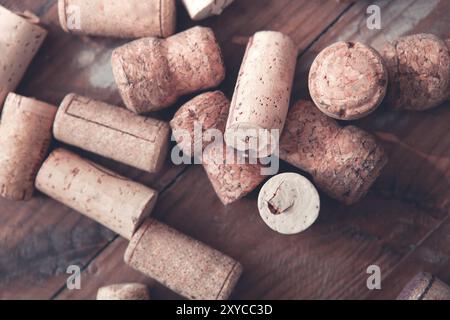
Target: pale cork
(124,291)
(425,286)
(202,9)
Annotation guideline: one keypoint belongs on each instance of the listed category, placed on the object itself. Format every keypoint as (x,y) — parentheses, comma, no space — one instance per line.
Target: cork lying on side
(112,200)
(425,286)
(25,137)
(118,18)
(153,73)
(20,39)
(124,291)
(201,9)
(112,132)
(344,162)
(184,265)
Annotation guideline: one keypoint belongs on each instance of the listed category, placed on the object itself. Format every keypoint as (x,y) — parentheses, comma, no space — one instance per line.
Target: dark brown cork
(124,291)
(425,286)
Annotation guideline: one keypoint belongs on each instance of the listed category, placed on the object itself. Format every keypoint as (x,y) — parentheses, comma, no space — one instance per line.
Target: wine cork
(419,72)
(118,18)
(112,200)
(425,286)
(348,80)
(124,291)
(25,136)
(288,203)
(20,39)
(152,73)
(344,162)
(261,98)
(182,264)
(112,132)
(201,9)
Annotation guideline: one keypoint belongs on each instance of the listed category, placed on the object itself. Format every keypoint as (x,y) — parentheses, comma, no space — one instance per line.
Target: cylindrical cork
(348,80)
(261,98)
(419,72)
(112,132)
(110,199)
(124,291)
(25,136)
(425,286)
(201,9)
(20,39)
(152,73)
(344,162)
(118,18)
(184,265)
(205,112)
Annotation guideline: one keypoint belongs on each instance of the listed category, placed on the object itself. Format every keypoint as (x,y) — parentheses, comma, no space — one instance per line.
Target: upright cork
(344,162)
(184,265)
(201,9)
(263,89)
(425,286)
(124,291)
(25,137)
(112,132)
(118,18)
(112,200)
(20,39)
(152,73)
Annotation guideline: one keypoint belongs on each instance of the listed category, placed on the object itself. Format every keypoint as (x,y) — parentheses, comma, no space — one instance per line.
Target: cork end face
(135,239)
(156,164)
(416,287)
(124,291)
(62,14)
(230,282)
(144,214)
(168,18)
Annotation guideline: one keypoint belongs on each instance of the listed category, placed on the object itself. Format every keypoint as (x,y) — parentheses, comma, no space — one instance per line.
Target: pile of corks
(347,81)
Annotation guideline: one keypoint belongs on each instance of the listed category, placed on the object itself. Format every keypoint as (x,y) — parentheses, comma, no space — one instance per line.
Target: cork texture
(201,9)
(118,18)
(20,39)
(124,291)
(112,132)
(152,73)
(425,286)
(25,137)
(182,264)
(344,162)
(112,200)
(348,80)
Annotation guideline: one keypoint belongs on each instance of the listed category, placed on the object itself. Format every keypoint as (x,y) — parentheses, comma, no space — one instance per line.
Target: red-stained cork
(124,291)
(25,137)
(344,162)
(425,286)
(184,265)
(153,73)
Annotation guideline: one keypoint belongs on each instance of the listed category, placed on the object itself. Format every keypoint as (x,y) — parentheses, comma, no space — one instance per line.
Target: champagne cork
(25,136)
(152,73)
(124,291)
(344,162)
(288,203)
(112,132)
(184,265)
(425,286)
(118,18)
(20,39)
(261,98)
(201,9)
(419,72)
(112,200)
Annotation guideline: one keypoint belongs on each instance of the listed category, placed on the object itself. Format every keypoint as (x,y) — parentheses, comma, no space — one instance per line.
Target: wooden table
(403,225)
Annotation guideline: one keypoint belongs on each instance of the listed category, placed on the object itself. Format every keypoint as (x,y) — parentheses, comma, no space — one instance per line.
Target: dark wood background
(402,225)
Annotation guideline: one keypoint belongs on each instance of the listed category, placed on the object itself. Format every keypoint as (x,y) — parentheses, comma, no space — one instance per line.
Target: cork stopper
(201,9)
(152,73)
(124,291)
(184,265)
(348,80)
(98,193)
(112,132)
(425,286)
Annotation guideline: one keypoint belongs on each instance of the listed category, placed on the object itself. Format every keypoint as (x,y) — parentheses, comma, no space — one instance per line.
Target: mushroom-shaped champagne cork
(348,80)
(344,162)
(184,265)
(425,286)
(261,97)
(153,73)
(419,72)
(104,196)
(124,291)
(25,137)
(118,18)
(288,203)
(201,9)
(112,132)
(20,39)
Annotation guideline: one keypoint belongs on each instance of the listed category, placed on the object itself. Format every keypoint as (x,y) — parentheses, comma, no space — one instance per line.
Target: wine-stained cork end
(168,18)
(425,286)
(124,291)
